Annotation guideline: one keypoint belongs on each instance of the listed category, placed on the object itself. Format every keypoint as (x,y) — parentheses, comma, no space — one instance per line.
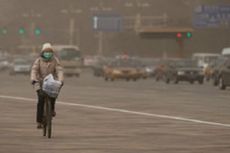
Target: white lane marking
(125,111)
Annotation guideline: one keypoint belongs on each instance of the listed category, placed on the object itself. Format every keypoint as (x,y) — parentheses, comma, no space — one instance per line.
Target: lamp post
(96,9)
(71,12)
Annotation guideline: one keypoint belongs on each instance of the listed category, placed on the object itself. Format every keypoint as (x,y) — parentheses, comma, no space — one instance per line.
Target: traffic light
(189,35)
(37,31)
(21,31)
(179,35)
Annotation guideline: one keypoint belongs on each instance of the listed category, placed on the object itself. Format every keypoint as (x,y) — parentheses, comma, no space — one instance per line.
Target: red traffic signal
(179,35)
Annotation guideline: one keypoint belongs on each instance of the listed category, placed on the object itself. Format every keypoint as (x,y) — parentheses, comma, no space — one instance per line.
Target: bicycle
(51,89)
(47,117)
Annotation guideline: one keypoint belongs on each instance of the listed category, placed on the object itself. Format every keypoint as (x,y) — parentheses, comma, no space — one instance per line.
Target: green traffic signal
(37,31)
(4,31)
(21,31)
(189,35)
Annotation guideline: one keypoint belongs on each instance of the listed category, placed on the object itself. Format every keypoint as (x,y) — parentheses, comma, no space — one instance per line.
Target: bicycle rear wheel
(49,117)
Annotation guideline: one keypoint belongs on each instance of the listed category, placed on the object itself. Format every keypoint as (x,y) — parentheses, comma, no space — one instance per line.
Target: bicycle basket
(50,86)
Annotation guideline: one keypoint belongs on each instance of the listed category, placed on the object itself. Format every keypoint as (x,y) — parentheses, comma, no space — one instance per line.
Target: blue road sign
(107,23)
(214,16)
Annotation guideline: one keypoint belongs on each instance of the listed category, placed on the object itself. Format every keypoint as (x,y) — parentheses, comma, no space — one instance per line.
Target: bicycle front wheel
(48,118)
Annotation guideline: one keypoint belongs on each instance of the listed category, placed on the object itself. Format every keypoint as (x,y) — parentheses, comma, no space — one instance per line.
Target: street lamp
(72,12)
(98,9)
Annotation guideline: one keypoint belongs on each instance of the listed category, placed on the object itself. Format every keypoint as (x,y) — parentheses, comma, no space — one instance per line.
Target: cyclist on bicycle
(44,65)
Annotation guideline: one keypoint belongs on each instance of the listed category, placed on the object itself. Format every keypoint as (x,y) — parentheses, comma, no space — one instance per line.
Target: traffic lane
(202,102)
(91,130)
(192,101)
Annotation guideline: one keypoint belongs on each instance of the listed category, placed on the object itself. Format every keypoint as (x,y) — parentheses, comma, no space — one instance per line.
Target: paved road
(94,116)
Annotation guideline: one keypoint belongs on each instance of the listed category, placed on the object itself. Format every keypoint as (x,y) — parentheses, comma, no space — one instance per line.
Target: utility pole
(100,43)
(71,12)
(31,16)
(71,30)
(100,8)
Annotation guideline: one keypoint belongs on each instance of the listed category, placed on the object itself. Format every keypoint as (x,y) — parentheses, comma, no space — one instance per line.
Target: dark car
(216,68)
(162,67)
(224,75)
(99,66)
(183,70)
(98,69)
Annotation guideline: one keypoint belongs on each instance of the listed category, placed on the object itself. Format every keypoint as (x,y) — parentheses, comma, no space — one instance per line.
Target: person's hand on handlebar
(33,82)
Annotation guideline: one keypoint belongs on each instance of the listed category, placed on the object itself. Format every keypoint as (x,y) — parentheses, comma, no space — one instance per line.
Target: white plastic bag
(50,86)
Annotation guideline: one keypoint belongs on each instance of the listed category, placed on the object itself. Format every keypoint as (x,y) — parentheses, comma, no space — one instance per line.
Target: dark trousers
(40,106)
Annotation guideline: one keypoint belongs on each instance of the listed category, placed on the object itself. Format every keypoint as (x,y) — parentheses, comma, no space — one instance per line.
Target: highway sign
(107,23)
(211,16)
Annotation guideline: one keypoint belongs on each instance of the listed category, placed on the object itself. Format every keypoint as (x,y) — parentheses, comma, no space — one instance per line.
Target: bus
(205,59)
(71,59)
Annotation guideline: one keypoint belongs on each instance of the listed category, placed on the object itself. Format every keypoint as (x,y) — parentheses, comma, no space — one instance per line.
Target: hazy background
(53,18)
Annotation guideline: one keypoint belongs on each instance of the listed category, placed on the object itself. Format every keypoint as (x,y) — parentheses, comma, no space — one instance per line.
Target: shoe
(53,113)
(39,125)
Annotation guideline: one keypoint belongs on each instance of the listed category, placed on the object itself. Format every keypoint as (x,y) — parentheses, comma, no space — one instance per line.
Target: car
(141,68)
(183,70)
(122,69)
(149,66)
(90,61)
(4,64)
(98,67)
(224,75)
(161,67)
(20,66)
(98,70)
(216,68)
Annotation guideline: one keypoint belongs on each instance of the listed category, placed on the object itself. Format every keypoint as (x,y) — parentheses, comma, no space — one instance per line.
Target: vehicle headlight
(149,70)
(180,72)
(116,71)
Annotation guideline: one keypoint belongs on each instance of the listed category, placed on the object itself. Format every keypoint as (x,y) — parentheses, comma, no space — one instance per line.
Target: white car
(4,65)
(20,66)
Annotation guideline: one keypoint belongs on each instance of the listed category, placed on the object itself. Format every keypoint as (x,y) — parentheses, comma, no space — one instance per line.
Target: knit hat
(47,46)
